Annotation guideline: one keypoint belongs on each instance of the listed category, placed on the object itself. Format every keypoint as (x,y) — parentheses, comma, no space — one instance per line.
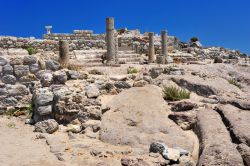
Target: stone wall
(7,42)
(76,35)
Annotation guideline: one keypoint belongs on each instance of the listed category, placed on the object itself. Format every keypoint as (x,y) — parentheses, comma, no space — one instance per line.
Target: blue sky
(216,22)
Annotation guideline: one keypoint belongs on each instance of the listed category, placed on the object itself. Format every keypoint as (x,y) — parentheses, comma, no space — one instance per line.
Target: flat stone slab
(238,120)
(216,145)
(139,117)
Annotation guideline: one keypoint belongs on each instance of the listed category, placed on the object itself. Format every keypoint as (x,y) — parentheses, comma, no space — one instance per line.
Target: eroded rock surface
(216,144)
(132,122)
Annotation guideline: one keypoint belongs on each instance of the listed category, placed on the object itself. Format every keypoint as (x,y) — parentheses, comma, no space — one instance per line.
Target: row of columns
(112,48)
(111,56)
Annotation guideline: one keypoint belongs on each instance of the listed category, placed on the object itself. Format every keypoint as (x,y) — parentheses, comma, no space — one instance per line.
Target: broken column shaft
(164,45)
(151,52)
(63,52)
(110,40)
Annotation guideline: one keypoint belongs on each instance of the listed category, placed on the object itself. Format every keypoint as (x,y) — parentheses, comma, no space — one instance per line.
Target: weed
(174,94)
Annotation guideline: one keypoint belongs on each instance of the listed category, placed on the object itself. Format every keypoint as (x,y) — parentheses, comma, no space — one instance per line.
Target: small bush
(194,39)
(235,83)
(174,94)
(132,70)
(31,50)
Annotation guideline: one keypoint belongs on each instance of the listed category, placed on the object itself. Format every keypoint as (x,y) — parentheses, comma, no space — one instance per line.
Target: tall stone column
(151,49)
(164,46)
(64,52)
(110,40)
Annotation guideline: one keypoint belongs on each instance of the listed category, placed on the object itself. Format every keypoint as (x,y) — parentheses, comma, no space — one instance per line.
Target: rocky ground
(108,116)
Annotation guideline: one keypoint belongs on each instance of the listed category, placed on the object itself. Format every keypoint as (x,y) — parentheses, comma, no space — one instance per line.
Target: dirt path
(19,146)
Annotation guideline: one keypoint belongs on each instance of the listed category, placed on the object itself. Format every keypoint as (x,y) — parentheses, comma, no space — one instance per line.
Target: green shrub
(194,39)
(174,94)
(235,83)
(31,50)
(30,109)
(132,70)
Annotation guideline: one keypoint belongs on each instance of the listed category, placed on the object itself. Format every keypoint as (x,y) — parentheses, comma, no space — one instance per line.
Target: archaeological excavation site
(122,98)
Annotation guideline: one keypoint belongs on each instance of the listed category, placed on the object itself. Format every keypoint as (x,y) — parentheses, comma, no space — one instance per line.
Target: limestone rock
(60,77)
(74,75)
(21,70)
(122,85)
(245,152)
(44,110)
(34,68)
(8,69)
(129,113)
(29,60)
(52,65)
(46,126)
(16,61)
(92,91)
(216,145)
(46,79)
(3,61)
(43,97)
(9,79)
(17,90)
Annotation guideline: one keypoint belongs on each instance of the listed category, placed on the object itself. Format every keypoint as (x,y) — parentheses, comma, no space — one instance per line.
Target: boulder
(21,70)
(42,97)
(3,61)
(52,65)
(137,119)
(8,69)
(46,79)
(17,90)
(92,91)
(60,77)
(74,75)
(46,126)
(29,60)
(16,61)
(9,79)
(34,68)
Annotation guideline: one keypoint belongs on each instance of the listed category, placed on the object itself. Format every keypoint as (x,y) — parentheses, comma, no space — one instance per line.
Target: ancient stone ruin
(124,98)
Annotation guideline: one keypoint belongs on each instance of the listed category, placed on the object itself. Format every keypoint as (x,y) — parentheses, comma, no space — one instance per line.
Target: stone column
(48,28)
(151,49)
(63,52)
(164,47)
(110,40)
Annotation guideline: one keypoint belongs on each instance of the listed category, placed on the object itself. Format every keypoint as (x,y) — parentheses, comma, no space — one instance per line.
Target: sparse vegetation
(132,70)
(174,94)
(31,50)
(235,83)
(30,109)
(194,39)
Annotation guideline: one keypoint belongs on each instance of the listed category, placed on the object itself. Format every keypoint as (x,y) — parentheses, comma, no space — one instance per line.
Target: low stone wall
(77,35)
(7,42)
